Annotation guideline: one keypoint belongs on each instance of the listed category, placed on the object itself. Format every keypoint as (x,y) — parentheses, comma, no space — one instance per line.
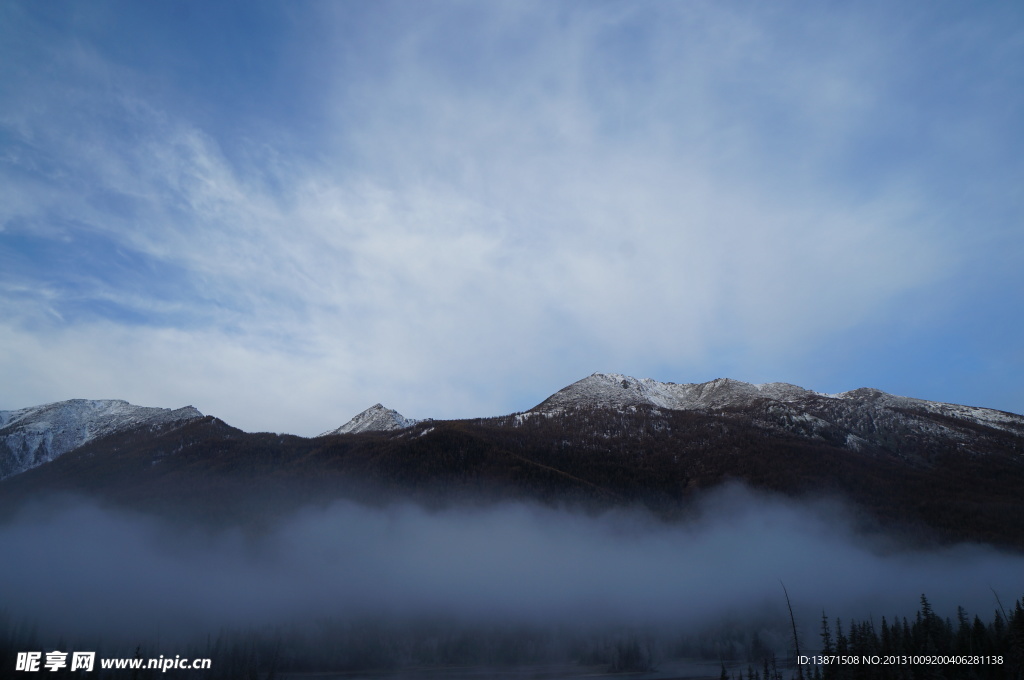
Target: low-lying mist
(80,569)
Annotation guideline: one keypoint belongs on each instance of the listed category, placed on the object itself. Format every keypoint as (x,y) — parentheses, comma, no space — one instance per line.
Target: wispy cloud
(479,205)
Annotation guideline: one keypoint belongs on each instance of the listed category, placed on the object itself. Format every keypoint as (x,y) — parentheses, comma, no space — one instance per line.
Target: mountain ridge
(861,419)
(618,391)
(727,391)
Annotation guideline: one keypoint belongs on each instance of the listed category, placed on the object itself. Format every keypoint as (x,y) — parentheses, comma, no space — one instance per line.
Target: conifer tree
(887,646)
(827,647)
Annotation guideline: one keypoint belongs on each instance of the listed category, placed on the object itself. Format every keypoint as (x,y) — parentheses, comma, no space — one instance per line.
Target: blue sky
(283,213)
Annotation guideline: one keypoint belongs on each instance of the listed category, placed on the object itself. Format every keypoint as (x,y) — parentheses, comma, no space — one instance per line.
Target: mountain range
(931,470)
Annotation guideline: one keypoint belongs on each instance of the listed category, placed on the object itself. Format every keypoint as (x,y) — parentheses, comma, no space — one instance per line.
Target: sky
(283,213)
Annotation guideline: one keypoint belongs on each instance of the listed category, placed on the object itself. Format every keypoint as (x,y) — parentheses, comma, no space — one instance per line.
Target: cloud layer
(457,210)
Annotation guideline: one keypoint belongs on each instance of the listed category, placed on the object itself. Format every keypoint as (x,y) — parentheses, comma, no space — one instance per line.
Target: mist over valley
(620,523)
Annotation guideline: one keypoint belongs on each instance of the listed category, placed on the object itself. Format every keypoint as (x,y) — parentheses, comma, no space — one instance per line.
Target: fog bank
(82,569)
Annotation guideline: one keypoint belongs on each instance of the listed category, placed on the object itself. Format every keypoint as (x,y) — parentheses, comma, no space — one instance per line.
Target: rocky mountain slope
(32,436)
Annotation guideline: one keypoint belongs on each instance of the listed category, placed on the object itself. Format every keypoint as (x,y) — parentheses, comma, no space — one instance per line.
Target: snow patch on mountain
(377,418)
(32,436)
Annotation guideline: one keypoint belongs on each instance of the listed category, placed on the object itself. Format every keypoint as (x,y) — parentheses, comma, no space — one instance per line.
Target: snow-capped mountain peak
(377,418)
(620,392)
(35,435)
(613,390)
